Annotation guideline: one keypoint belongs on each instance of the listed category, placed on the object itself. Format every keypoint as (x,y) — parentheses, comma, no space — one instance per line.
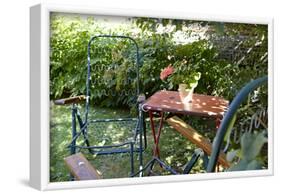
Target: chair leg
(132,158)
(144,134)
(141,132)
(73,126)
(84,132)
(196,155)
(205,160)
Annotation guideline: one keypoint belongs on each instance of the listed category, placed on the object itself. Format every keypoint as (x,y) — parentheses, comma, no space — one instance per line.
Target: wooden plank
(81,168)
(70,100)
(196,138)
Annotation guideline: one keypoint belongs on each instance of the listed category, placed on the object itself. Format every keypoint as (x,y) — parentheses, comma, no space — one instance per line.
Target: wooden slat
(81,168)
(196,138)
(70,100)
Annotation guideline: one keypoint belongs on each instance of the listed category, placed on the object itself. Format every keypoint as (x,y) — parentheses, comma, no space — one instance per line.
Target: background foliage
(227,55)
(222,73)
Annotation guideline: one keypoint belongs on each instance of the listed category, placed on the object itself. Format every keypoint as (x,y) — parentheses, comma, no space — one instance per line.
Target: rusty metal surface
(201,105)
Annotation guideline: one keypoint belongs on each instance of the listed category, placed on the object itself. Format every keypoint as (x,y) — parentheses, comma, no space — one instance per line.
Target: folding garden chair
(97,135)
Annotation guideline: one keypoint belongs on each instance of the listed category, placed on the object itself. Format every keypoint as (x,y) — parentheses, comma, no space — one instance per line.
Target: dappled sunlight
(227,55)
(210,113)
(102,133)
(110,126)
(98,133)
(195,137)
(170,101)
(173,147)
(169,159)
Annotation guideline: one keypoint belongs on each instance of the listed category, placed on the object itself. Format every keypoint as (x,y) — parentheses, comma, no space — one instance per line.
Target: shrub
(113,61)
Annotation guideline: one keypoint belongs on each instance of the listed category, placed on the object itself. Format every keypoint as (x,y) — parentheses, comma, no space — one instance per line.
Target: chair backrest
(228,119)
(137,65)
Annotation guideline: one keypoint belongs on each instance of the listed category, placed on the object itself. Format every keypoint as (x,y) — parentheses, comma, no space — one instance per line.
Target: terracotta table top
(201,105)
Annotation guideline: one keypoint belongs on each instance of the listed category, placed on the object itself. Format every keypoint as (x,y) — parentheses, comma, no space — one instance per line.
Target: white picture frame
(39,96)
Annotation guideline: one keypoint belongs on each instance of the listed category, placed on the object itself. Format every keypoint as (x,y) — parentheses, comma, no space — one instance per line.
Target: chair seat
(107,136)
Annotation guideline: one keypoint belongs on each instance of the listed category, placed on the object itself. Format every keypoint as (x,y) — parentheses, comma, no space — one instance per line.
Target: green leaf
(219,27)
(231,155)
(246,165)
(241,165)
(254,165)
(230,126)
(251,145)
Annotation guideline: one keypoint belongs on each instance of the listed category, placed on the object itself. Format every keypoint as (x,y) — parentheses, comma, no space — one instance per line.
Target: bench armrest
(81,168)
(65,101)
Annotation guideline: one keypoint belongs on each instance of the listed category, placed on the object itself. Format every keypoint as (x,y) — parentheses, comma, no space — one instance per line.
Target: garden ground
(175,149)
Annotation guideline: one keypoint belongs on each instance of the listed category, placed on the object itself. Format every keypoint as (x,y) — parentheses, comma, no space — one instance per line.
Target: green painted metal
(235,104)
(86,123)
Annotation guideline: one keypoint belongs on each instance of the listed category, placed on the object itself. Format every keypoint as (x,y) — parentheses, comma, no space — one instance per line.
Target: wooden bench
(81,168)
(192,135)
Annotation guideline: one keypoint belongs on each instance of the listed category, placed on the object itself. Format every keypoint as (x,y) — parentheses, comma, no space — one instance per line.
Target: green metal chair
(230,129)
(258,119)
(94,134)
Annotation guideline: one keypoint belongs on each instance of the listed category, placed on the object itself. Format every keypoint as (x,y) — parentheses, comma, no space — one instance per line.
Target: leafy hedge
(113,61)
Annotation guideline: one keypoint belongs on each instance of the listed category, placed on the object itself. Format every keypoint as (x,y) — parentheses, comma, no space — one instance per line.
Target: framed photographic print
(124,97)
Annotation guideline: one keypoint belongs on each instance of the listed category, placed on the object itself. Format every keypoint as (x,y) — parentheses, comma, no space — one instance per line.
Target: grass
(175,150)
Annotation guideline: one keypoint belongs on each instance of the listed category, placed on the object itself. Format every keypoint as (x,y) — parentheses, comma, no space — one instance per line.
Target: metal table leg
(156,150)
(156,137)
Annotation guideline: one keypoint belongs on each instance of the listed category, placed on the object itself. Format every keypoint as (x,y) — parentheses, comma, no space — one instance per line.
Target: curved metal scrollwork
(257,120)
